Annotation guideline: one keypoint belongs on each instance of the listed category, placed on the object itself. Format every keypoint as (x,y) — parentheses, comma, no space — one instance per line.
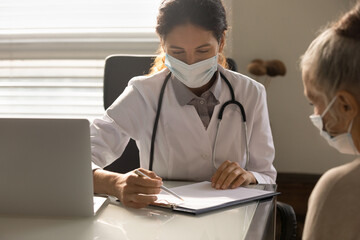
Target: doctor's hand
(130,189)
(135,191)
(231,175)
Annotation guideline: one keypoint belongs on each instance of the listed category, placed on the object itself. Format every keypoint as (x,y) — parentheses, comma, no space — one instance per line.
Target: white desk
(117,222)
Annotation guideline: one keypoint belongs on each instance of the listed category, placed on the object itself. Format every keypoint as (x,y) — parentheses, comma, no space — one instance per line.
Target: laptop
(45,168)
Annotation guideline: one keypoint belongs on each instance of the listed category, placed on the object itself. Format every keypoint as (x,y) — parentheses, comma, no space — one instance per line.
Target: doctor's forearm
(104,182)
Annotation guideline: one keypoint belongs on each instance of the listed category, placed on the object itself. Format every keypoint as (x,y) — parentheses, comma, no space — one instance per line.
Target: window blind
(51,88)
(25,15)
(52,52)
(76,28)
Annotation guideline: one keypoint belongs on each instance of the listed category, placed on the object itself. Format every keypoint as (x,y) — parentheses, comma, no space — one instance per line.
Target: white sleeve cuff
(94,166)
(261,179)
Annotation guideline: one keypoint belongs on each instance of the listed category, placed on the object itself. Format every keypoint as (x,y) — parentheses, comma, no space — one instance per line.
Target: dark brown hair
(208,14)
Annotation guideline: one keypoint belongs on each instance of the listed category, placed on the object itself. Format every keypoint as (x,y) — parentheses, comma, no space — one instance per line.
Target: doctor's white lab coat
(183,146)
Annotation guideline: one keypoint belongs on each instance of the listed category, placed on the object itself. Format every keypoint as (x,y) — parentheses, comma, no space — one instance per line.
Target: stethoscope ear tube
(157,121)
(247,151)
(246,145)
(221,111)
(243,115)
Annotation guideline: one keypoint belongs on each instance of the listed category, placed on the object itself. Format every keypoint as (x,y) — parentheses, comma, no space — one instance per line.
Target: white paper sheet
(201,195)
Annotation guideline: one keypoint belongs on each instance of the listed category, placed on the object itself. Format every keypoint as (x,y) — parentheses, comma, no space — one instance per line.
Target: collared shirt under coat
(204,105)
(183,147)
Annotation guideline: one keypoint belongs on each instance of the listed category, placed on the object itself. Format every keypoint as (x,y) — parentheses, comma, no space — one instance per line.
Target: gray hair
(332,60)
(333,63)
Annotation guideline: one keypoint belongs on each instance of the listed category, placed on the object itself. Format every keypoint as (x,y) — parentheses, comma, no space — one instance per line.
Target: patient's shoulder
(338,181)
(334,206)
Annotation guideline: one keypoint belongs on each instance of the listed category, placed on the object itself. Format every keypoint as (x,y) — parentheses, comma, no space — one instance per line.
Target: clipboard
(202,198)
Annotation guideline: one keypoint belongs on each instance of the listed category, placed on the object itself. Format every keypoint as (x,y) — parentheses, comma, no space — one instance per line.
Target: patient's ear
(347,104)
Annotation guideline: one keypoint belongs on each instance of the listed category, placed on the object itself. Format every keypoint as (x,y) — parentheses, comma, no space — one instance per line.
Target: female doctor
(189,144)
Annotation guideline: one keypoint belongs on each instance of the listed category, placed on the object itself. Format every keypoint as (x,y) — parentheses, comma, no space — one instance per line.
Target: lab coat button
(204,156)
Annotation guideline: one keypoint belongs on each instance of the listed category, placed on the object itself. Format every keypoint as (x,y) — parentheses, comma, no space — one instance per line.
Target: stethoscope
(220,115)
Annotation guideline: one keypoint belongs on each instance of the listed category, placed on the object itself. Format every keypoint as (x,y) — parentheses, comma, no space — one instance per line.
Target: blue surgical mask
(195,75)
(342,142)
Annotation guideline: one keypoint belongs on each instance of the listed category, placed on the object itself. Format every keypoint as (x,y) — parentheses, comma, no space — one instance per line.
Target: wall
(283,29)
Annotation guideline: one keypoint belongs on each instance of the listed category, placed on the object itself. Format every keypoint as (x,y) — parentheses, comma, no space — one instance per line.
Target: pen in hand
(139,173)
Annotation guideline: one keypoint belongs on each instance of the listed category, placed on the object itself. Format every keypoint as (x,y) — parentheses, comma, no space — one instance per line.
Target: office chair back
(287,221)
(119,69)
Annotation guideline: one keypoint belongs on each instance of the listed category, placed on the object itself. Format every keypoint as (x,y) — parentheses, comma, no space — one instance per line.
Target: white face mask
(195,75)
(342,142)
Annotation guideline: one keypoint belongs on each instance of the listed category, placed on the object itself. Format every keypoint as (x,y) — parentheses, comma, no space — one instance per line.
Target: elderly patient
(331,78)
